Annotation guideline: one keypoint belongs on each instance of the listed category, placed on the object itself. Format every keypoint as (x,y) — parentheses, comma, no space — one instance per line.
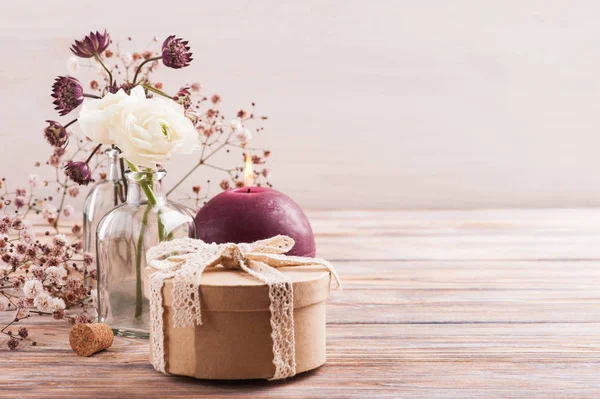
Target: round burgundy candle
(254,213)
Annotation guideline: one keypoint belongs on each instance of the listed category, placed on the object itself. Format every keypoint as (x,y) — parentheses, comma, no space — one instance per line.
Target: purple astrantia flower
(68,94)
(183,97)
(176,53)
(94,43)
(79,172)
(56,134)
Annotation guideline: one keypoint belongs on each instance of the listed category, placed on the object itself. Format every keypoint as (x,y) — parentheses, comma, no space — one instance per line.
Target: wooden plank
(439,304)
(413,361)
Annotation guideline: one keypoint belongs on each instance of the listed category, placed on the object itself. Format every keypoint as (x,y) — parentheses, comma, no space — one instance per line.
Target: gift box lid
(228,290)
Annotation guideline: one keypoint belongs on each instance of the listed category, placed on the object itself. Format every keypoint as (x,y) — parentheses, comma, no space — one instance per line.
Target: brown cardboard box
(234,341)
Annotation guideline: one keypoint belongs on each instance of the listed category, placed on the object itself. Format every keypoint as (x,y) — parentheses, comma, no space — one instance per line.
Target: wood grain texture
(458,325)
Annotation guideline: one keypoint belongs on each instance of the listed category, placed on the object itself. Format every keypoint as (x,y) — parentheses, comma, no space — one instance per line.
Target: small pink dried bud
(18,282)
(76,229)
(73,191)
(88,259)
(68,210)
(266,173)
(108,53)
(21,192)
(24,303)
(23,333)
(20,202)
(103,176)
(94,85)
(239,184)
(267,153)
(78,245)
(225,184)
(136,56)
(37,272)
(215,99)
(13,344)
(6,257)
(158,85)
(196,86)
(59,240)
(196,189)
(242,113)
(147,54)
(21,248)
(93,274)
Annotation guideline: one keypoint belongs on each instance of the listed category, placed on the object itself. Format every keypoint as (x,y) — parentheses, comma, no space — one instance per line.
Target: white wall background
(396,104)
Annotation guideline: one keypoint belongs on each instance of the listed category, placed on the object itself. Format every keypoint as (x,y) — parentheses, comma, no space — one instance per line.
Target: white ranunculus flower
(97,115)
(148,131)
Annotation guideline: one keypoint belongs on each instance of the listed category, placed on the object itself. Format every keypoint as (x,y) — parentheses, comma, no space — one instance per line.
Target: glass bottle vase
(123,237)
(103,197)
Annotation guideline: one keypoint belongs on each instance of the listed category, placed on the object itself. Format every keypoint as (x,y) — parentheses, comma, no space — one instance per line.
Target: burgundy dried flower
(83,319)
(196,189)
(58,314)
(21,192)
(12,344)
(79,172)
(68,94)
(215,99)
(183,97)
(56,134)
(23,333)
(94,43)
(175,52)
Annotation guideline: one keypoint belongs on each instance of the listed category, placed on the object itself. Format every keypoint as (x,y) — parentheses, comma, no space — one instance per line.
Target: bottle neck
(142,184)
(113,174)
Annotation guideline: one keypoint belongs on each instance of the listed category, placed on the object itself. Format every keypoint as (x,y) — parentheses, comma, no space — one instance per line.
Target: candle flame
(248,172)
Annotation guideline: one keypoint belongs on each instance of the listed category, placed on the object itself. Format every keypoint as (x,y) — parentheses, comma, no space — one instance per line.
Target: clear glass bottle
(123,237)
(103,197)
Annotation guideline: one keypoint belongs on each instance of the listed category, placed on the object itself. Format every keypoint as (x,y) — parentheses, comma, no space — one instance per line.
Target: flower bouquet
(126,111)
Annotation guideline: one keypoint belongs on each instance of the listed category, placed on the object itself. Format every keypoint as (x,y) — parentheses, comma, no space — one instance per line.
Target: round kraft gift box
(234,341)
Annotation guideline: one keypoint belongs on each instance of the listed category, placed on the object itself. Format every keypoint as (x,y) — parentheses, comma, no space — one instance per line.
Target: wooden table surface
(437,304)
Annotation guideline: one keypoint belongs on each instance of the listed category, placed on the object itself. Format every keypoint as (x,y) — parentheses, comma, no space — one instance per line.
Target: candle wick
(248,191)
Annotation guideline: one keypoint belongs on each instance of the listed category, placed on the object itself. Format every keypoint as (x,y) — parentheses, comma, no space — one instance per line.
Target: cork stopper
(87,339)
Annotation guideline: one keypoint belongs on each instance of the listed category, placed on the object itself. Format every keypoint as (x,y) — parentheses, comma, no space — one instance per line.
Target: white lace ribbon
(185,259)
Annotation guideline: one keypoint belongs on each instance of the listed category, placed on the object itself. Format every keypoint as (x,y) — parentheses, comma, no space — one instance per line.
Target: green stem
(152,202)
(110,78)
(138,263)
(155,90)
(137,72)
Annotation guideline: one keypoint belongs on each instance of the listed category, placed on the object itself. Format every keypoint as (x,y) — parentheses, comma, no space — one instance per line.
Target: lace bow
(185,259)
